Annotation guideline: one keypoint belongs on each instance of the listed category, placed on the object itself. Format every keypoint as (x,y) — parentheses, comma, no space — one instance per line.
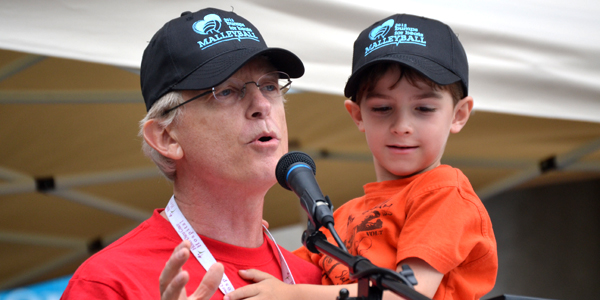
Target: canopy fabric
(72,175)
(531,57)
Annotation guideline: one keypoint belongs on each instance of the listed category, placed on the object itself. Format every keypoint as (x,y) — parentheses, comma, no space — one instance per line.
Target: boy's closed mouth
(402,147)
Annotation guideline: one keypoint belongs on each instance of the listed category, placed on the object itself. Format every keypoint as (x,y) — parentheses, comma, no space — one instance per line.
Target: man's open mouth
(265,138)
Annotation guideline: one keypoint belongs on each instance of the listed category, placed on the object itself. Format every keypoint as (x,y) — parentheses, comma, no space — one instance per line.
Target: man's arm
(173,278)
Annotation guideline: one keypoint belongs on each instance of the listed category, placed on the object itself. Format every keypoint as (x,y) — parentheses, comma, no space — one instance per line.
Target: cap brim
(432,70)
(220,68)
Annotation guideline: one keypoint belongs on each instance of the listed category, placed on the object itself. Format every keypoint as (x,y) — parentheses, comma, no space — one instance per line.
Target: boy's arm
(428,278)
(268,287)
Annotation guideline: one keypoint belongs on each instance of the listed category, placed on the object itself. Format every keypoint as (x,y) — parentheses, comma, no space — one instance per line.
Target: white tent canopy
(534,75)
(529,57)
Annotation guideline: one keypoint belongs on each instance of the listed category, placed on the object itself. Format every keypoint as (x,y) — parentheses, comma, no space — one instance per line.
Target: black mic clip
(322,212)
(310,235)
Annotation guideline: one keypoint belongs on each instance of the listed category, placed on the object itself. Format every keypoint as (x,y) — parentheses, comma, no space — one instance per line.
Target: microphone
(296,172)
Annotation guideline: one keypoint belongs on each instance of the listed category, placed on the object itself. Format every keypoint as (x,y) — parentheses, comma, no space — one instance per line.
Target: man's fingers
(173,266)
(210,282)
(255,275)
(176,288)
(265,223)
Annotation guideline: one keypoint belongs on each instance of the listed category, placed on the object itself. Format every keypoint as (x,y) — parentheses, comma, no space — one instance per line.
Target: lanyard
(201,252)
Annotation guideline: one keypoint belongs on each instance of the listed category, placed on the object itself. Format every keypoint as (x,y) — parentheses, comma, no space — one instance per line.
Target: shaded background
(73,177)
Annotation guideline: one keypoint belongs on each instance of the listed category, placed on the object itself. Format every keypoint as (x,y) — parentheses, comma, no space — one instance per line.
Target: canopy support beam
(558,162)
(19,65)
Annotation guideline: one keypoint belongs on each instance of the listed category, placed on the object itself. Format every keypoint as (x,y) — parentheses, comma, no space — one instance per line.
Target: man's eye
(269,87)
(226,93)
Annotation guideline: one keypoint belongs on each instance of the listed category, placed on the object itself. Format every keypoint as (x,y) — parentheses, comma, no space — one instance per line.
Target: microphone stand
(372,280)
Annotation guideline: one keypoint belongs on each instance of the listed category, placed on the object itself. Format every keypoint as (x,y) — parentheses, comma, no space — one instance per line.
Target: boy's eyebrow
(429,94)
(373,94)
(424,95)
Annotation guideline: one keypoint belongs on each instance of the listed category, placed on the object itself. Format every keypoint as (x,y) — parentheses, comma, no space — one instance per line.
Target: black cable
(336,237)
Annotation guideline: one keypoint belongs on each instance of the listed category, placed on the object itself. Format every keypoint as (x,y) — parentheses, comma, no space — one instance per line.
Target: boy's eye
(425,109)
(380,109)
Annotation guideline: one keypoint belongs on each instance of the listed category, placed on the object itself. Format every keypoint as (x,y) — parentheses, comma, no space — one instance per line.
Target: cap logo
(402,34)
(210,27)
(210,24)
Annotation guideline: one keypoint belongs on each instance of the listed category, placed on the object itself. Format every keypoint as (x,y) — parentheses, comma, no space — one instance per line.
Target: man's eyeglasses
(272,86)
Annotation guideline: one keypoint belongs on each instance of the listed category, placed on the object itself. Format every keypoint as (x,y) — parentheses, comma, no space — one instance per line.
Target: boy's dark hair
(374,73)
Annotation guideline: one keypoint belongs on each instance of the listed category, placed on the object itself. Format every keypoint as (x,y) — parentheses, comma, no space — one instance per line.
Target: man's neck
(231,215)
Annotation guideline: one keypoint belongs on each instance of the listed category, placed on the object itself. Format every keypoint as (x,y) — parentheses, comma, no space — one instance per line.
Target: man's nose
(260,106)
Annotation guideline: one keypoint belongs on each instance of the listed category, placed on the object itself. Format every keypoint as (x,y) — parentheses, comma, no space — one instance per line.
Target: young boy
(408,92)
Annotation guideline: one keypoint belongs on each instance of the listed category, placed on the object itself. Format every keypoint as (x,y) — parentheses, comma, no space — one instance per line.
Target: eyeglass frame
(243,89)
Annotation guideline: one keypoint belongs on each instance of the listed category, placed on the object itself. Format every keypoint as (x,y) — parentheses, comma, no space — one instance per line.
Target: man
(216,127)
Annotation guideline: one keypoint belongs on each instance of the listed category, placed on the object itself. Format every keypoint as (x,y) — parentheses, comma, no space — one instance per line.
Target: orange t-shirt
(435,216)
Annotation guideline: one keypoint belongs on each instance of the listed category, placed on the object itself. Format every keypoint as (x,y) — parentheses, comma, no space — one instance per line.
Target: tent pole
(19,65)
(60,187)
(65,182)
(40,240)
(78,97)
(25,184)
(558,162)
(102,204)
(32,274)
(81,250)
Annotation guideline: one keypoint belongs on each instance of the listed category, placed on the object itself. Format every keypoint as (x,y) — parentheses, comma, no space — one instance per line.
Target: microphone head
(289,159)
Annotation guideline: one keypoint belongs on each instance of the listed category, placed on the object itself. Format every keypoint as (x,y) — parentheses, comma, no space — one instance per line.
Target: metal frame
(62,185)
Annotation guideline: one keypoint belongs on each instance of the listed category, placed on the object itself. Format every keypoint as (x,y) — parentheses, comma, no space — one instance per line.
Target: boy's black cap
(202,49)
(426,45)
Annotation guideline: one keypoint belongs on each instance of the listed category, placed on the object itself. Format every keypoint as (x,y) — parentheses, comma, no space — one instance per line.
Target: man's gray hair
(171,99)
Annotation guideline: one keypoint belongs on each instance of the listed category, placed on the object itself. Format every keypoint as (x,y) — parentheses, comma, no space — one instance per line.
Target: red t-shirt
(435,216)
(130,267)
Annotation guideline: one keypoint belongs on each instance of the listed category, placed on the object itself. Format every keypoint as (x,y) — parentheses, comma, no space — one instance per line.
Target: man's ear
(162,140)
(462,111)
(354,111)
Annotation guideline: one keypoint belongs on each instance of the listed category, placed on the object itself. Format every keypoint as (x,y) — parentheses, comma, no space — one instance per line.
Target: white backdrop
(527,57)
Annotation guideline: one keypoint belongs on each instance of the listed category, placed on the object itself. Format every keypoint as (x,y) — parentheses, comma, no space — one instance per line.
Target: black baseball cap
(426,45)
(202,49)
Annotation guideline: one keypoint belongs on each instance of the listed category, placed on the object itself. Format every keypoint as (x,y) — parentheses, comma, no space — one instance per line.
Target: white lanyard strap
(199,249)
(201,252)
(286,274)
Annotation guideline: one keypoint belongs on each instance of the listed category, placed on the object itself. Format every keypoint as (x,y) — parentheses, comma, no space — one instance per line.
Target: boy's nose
(402,126)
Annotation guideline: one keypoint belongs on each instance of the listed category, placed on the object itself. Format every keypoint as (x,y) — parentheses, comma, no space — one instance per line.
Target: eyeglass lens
(272,85)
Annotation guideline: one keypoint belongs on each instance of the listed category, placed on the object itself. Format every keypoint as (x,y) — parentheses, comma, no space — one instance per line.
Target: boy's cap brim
(426,67)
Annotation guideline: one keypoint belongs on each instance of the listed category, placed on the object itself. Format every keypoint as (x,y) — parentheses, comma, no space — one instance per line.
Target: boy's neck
(384,175)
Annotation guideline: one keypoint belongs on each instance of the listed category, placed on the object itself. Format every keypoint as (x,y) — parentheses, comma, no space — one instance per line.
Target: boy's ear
(354,111)
(162,140)
(462,111)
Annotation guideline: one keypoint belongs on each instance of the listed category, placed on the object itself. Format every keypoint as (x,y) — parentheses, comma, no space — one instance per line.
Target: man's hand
(173,278)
